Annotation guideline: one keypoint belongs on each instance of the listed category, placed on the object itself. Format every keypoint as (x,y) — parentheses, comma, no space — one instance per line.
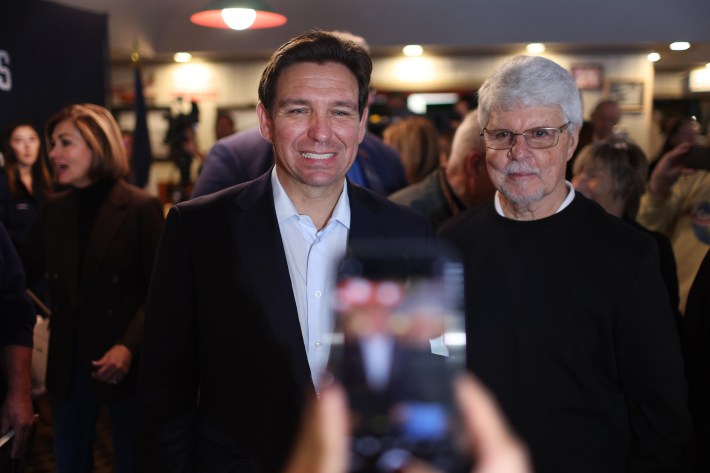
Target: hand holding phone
(398,345)
(323,445)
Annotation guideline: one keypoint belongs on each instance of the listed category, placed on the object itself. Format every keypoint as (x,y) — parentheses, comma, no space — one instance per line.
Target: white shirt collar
(285,208)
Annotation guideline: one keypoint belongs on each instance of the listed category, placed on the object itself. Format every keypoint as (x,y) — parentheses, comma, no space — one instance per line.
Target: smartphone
(698,158)
(398,344)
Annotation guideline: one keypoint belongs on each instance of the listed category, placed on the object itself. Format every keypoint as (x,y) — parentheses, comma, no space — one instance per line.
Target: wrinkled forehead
(523,116)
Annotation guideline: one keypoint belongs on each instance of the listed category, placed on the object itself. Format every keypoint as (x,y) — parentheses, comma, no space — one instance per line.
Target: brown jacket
(105,306)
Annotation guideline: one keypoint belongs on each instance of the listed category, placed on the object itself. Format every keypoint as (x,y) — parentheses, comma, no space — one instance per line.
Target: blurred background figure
(678,130)
(25,182)
(605,116)
(416,139)
(677,203)
(461,182)
(96,242)
(224,126)
(695,342)
(17,319)
(183,149)
(614,176)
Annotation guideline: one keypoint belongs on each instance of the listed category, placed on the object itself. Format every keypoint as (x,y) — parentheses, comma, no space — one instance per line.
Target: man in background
(461,183)
(605,116)
(224,126)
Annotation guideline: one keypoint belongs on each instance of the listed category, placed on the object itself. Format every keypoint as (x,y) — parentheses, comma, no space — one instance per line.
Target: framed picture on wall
(588,76)
(628,93)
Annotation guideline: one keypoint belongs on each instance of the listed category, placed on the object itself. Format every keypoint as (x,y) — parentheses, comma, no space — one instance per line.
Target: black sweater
(569,324)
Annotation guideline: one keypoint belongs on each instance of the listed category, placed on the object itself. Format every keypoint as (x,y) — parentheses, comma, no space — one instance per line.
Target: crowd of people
(205,333)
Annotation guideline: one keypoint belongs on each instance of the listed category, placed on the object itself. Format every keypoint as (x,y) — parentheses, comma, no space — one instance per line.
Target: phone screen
(398,344)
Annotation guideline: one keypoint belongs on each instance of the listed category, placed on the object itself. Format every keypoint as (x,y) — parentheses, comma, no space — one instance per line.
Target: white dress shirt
(312,258)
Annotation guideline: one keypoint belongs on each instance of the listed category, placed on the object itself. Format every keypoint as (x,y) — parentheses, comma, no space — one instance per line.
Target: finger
(323,441)
(481,415)
(333,421)
(18,444)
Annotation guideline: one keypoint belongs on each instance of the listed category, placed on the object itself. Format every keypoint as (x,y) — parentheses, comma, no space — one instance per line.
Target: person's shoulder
(609,231)
(242,141)
(660,238)
(474,217)
(391,212)
(372,142)
(413,193)
(254,188)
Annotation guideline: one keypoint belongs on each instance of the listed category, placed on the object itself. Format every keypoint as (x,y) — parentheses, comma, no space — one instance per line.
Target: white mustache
(517,167)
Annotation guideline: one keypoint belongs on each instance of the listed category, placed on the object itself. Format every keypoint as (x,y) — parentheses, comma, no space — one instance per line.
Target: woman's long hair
(40,169)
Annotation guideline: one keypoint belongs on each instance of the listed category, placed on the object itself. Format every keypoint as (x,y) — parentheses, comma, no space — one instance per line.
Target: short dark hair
(318,47)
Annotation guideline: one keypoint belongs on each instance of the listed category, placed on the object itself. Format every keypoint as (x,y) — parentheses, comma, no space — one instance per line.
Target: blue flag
(141,155)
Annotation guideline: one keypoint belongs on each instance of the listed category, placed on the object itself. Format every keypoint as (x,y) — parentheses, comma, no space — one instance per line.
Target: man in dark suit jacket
(231,348)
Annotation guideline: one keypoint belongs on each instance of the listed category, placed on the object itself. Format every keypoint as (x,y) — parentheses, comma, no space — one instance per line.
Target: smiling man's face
(315,127)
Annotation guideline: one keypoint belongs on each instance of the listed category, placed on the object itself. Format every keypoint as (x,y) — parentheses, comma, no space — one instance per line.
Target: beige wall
(235,84)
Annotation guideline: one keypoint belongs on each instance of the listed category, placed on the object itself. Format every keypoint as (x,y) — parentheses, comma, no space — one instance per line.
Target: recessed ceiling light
(653,57)
(535,48)
(412,50)
(680,46)
(182,57)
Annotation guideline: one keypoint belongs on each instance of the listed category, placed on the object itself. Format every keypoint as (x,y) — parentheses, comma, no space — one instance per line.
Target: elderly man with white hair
(568,320)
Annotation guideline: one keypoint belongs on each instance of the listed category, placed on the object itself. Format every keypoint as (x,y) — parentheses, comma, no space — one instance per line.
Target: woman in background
(96,242)
(417,141)
(25,184)
(613,174)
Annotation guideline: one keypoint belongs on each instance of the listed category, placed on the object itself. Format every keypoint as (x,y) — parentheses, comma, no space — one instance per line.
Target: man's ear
(475,162)
(573,142)
(266,125)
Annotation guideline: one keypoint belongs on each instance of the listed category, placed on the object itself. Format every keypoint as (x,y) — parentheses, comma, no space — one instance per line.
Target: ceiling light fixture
(680,46)
(182,57)
(653,57)
(413,50)
(238,15)
(535,48)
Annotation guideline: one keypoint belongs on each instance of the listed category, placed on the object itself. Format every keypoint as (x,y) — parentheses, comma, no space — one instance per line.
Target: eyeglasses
(536,138)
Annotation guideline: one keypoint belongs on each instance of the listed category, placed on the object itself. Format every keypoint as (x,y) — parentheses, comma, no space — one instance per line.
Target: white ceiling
(162,27)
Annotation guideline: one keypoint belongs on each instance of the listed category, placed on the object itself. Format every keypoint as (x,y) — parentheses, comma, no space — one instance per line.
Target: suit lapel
(261,252)
(109,220)
(363,214)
